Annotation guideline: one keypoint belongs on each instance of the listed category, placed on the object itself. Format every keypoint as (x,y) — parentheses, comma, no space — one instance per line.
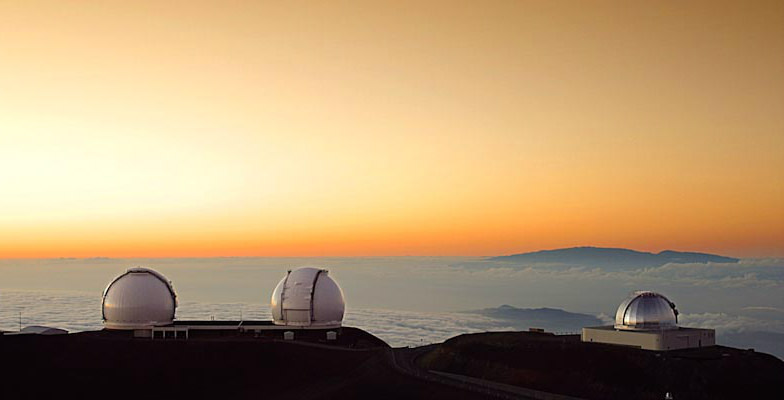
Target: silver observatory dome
(137,299)
(644,310)
(308,297)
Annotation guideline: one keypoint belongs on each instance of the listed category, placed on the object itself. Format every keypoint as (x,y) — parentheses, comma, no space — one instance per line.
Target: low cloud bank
(76,311)
(767,273)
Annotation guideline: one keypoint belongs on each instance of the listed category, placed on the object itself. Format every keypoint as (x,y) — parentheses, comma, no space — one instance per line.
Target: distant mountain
(612,258)
(551,319)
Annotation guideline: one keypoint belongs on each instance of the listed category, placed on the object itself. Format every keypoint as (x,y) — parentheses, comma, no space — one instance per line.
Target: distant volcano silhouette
(552,319)
(612,257)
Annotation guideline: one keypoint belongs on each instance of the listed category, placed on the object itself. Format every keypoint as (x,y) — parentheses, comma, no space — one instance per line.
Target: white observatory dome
(644,310)
(308,297)
(139,298)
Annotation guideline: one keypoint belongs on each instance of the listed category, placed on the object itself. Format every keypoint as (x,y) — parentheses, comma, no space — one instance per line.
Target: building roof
(38,330)
(307,297)
(646,310)
(138,298)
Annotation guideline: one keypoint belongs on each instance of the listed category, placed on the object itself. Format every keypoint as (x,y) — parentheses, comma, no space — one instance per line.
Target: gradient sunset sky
(237,128)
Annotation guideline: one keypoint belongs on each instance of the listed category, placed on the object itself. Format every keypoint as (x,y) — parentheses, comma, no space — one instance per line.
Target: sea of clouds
(77,312)
(408,300)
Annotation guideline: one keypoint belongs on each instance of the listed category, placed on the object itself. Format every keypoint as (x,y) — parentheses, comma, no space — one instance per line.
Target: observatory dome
(307,297)
(139,298)
(644,310)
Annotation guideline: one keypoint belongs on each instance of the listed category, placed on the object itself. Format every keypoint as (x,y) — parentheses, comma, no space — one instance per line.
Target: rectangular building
(660,340)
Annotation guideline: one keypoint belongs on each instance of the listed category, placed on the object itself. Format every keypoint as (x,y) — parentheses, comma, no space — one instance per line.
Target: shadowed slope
(564,364)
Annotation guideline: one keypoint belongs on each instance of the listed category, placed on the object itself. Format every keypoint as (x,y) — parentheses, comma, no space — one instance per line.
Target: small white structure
(308,297)
(649,321)
(39,330)
(140,298)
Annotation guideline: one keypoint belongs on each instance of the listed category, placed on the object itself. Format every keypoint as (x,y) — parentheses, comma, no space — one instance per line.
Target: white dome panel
(139,298)
(644,310)
(307,297)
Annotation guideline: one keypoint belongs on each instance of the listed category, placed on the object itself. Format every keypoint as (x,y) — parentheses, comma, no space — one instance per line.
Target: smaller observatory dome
(139,298)
(308,297)
(644,310)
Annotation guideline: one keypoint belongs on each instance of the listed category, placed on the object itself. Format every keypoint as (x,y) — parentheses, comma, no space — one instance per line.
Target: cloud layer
(404,300)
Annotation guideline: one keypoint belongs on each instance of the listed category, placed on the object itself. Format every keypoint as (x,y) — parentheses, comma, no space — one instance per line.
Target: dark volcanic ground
(233,365)
(564,364)
(109,365)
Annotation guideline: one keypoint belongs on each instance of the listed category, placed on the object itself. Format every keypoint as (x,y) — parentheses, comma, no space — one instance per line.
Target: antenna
(20,321)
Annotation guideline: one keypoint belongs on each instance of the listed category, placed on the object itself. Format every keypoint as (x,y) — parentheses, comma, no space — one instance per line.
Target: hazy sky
(195,128)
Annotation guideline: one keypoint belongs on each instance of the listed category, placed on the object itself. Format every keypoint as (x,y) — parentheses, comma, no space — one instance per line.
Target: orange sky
(201,128)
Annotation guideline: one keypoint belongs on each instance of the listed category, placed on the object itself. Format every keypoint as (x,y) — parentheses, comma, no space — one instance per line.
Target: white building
(38,330)
(308,297)
(140,298)
(649,321)
(144,301)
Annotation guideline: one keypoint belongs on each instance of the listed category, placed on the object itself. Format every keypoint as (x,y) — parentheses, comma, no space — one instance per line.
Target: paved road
(381,369)
(404,360)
